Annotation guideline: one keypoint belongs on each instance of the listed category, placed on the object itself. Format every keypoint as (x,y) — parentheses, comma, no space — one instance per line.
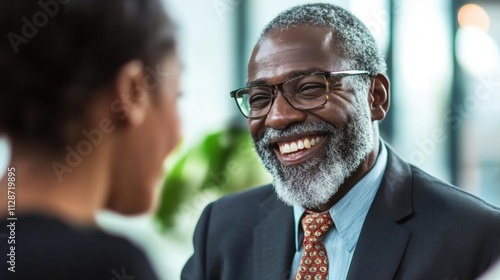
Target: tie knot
(315,225)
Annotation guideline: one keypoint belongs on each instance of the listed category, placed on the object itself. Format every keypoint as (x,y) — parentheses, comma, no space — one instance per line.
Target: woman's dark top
(47,248)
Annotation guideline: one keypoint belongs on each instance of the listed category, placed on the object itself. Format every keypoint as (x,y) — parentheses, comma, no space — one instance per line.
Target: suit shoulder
(445,198)
(239,210)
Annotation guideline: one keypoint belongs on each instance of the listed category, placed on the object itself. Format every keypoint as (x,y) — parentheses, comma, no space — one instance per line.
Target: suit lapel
(382,241)
(380,248)
(274,242)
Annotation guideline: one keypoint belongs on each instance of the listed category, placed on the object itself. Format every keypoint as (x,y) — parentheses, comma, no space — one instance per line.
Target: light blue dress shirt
(348,217)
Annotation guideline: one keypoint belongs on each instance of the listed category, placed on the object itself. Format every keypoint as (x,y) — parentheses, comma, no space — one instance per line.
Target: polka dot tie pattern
(314,261)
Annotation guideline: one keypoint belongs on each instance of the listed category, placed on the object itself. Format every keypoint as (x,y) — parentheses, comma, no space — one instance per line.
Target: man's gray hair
(356,43)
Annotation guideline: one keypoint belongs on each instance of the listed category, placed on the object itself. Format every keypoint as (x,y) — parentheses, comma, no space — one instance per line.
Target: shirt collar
(349,213)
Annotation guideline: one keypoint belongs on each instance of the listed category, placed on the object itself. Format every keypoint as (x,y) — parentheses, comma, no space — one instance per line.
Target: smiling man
(342,205)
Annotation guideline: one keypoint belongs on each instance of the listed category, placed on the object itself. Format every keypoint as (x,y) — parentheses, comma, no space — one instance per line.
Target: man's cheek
(256,128)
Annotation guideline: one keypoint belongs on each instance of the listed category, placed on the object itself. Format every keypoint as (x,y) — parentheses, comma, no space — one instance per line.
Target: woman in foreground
(88,102)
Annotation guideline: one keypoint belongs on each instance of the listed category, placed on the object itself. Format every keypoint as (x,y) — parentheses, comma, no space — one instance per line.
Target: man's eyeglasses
(304,92)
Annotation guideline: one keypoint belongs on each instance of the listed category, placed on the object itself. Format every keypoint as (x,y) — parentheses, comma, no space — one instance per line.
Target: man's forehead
(280,52)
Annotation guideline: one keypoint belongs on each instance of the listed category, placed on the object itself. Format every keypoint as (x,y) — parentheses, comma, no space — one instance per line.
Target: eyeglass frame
(279,86)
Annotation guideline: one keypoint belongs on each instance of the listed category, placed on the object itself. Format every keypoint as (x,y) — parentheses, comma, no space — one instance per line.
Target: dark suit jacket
(417,228)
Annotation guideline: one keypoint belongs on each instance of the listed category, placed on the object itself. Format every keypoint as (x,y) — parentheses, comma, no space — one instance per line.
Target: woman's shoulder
(48,248)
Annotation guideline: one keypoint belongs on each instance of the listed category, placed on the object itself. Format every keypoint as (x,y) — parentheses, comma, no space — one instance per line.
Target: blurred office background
(444,65)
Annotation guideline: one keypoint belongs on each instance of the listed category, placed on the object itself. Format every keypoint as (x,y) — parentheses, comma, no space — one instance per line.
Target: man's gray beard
(315,181)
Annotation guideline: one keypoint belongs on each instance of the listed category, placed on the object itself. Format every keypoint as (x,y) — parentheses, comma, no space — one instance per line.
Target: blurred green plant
(223,162)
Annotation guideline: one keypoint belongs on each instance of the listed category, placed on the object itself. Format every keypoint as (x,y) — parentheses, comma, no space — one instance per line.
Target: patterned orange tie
(314,261)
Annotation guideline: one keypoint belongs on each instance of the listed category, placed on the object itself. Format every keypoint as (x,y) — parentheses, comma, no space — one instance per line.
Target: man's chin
(306,193)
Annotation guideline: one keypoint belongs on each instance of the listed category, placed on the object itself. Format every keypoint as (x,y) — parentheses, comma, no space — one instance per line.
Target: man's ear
(131,96)
(379,98)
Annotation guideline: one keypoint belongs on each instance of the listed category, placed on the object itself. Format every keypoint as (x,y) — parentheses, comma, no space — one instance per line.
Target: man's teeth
(304,143)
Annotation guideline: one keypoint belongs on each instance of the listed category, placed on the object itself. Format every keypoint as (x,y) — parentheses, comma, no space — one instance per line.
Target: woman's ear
(131,96)
(379,97)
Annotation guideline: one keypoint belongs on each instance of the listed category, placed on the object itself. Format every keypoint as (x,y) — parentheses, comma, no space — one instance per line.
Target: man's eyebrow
(291,74)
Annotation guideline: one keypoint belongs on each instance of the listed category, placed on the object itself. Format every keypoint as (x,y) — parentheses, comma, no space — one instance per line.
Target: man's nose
(282,113)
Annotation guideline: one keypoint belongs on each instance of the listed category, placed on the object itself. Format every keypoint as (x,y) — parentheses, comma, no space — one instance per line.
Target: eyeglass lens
(303,92)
